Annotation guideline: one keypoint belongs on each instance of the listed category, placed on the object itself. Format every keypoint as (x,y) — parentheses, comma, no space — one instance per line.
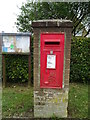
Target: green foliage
(37,11)
(79,71)
(77,12)
(16,68)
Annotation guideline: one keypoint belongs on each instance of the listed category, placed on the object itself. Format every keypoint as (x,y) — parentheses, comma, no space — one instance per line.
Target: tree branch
(80,29)
(87,33)
(78,23)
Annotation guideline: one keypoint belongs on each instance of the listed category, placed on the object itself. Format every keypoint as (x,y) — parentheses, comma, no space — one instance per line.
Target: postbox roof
(52,23)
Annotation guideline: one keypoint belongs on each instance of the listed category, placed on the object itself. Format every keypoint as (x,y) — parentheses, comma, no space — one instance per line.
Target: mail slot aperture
(52,42)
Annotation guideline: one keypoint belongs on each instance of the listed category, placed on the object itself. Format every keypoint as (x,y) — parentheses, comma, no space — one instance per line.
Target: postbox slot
(52,43)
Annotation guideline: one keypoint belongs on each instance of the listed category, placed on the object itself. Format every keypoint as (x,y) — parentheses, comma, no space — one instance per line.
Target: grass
(78,101)
(18,101)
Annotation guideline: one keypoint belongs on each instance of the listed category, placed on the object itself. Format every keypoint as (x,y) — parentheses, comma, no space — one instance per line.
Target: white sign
(51,61)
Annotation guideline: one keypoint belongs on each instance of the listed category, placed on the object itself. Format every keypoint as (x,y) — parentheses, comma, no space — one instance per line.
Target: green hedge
(79,67)
(17,65)
(16,68)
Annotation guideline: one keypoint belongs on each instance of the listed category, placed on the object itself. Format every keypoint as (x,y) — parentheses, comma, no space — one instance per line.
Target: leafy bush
(79,67)
(16,68)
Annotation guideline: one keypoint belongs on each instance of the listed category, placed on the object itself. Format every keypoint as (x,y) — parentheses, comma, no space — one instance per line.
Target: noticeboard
(16,43)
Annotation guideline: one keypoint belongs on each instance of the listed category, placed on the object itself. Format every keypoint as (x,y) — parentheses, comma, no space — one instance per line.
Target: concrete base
(51,103)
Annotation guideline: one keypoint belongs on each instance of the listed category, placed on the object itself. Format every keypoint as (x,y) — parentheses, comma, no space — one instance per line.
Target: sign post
(15,43)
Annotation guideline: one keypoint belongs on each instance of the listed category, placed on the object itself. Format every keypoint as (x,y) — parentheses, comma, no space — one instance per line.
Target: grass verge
(78,101)
(18,101)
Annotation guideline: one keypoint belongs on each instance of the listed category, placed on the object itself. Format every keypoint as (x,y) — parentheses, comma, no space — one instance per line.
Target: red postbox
(51,60)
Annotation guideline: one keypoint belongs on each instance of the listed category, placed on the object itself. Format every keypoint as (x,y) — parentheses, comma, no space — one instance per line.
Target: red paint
(51,75)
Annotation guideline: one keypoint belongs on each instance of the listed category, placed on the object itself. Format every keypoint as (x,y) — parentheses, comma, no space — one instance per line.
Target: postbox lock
(51,52)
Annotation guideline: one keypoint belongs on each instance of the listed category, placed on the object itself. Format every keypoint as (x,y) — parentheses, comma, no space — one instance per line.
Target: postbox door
(51,60)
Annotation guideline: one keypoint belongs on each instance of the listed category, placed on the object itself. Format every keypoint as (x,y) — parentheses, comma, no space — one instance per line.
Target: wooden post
(4,70)
(29,65)
(29,70)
